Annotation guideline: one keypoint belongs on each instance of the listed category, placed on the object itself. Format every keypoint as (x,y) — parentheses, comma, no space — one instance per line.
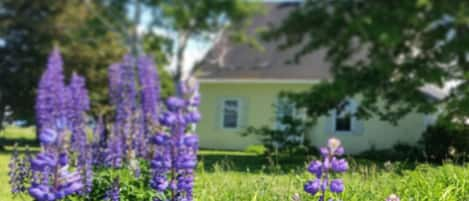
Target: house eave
(259,81)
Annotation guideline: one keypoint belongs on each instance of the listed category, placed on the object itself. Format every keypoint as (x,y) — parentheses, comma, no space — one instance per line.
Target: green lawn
(240,176)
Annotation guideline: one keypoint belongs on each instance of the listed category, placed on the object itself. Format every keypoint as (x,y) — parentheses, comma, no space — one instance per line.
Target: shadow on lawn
(22,142)
(251,163)
(225,161)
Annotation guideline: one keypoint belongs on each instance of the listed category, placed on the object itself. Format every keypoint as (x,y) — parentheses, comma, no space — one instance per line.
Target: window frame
(238,110)
(351,109)
(283,103)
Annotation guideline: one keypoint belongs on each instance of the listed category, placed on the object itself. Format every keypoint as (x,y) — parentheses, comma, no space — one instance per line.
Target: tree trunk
(183,38)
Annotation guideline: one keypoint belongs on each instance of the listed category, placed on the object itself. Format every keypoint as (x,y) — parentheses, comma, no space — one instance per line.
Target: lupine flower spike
(50,102)
(52,179)
(57,181)
(17,172)
(176,146)
(321,170)
(150,98)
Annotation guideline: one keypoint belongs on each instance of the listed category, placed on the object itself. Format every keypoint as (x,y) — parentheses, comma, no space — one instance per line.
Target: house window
(343,123)
(343,118)
(231,113)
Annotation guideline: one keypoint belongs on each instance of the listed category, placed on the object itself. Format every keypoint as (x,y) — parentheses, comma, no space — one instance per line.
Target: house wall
(257,101)
(257,110)
(373,133)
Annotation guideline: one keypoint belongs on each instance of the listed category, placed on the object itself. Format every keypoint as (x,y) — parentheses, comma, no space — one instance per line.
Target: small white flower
(296,197)
(393,197)
(333,143)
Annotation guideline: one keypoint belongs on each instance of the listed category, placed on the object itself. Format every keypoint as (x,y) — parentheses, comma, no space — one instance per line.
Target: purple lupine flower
(48,136)
(150,98)
(315,167)
(78,104)
(57,108)
(99,143)
(339,165)
(161,162)
(150,86)
(312,187)
(321,170)
(15,172)
(176,152)
(57,182)
(85,166)
(128,122)
(114,74)
(113,192)
(337,186)
(50,101)
(393,197)
(114,151)
(26,164)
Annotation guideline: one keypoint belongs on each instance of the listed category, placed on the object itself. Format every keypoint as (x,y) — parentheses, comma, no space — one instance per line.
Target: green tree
(26,32)
(384,50)
(93,34)
(29,30)
(202,20)
(183,20)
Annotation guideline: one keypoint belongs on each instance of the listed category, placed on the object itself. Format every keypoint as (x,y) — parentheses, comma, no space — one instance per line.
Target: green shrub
(444,140)
(256,149)
(399,152)
(131,187)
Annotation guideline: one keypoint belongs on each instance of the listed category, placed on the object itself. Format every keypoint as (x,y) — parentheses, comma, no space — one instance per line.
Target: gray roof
(231,60)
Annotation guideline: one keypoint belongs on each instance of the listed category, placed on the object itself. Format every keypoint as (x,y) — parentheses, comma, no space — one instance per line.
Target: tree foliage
(200,20)
(386,51)
(27,32)
(30,29)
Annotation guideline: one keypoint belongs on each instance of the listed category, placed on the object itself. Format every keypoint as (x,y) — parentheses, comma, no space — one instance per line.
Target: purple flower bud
(337,186)
(324,184)
(187,162)
(160,139)
(195,101)
(48,136)
(72,188)
(175,103)
(339,151)
(339,165)
(185,182)
(168,119)
(191,140)
(173,185)
(63,159)
(159,183)
(312,187)
(324,151)
(42,193)
(193,117)
(315,167)
(327,164)
(42,161)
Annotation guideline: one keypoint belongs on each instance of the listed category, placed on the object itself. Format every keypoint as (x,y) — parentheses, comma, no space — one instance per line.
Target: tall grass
(365,182)
(240,176)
